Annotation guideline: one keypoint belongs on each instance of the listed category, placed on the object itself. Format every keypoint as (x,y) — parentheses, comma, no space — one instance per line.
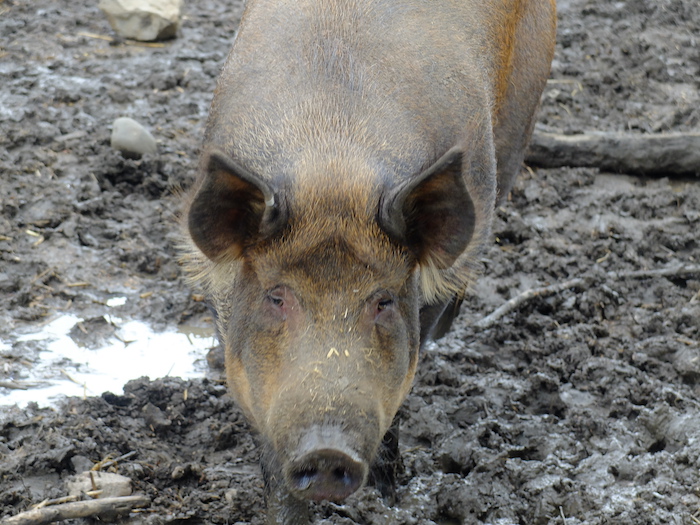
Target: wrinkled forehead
(334,257)
(332,240)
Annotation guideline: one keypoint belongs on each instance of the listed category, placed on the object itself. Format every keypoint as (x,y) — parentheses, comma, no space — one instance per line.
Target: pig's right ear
(432,213)
(232,209)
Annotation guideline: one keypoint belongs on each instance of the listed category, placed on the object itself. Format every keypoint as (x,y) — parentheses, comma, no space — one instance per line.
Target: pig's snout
(327,474)
(325,468)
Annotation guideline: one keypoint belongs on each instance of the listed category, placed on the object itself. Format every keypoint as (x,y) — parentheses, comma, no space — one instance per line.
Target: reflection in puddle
(66,368)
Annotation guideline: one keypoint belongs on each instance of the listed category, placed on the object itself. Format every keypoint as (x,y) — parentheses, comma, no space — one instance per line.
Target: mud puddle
(72,356)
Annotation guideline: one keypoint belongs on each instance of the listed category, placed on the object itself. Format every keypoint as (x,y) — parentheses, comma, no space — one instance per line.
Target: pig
(352,160)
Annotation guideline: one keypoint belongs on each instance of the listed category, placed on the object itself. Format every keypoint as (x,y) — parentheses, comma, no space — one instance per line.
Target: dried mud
(581,407)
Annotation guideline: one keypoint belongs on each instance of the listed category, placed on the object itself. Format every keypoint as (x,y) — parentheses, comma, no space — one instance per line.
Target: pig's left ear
(232,209)
(432,214)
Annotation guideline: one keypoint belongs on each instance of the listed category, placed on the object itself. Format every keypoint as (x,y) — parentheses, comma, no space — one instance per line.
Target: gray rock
(81,463)
(131,138)
(686,361)
(144,20)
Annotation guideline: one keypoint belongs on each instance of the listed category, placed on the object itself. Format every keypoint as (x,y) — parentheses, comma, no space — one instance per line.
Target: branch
(579,282)
(663,154)
(515,302)
(678,271)
(81,509)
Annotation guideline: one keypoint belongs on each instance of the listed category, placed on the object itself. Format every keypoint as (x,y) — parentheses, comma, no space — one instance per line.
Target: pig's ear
(432,214)
(232,209)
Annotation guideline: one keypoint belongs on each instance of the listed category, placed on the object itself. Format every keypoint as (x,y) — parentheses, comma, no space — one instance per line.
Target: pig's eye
(276,297)
(383,304)
(280,303)
(277,301)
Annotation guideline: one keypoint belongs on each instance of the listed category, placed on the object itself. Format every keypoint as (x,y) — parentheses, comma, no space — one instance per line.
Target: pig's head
(317,286)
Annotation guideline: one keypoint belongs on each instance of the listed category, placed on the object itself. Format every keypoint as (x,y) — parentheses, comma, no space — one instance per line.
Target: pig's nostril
(343,476)
(304,478)
(326,475)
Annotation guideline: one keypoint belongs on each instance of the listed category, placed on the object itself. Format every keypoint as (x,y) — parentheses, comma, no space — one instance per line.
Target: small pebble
(131,138)
(144,20)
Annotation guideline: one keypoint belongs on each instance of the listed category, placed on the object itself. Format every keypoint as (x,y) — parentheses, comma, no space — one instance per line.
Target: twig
(545,291)
(57,501)
(19,385)
(679,271)
(95,35)
(127,41)
(515,302)
(695,298)
(79,509)
(108,462)
(78,284)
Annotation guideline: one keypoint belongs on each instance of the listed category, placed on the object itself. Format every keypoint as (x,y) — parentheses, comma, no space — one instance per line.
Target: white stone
(131,138)
(144,20)
(110,485)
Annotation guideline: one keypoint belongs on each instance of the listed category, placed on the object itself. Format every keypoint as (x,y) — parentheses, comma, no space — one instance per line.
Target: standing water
(63,366)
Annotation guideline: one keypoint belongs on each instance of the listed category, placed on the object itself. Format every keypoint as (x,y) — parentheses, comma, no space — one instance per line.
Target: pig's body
(353,157)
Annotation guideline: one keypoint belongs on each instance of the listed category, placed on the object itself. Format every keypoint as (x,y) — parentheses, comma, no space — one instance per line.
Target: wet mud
(579,406)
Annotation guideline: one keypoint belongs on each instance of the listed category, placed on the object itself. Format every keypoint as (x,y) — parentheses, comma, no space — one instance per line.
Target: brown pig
(353,156)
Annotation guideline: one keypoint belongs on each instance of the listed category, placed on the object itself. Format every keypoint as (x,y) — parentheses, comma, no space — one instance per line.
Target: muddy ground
(581,407)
